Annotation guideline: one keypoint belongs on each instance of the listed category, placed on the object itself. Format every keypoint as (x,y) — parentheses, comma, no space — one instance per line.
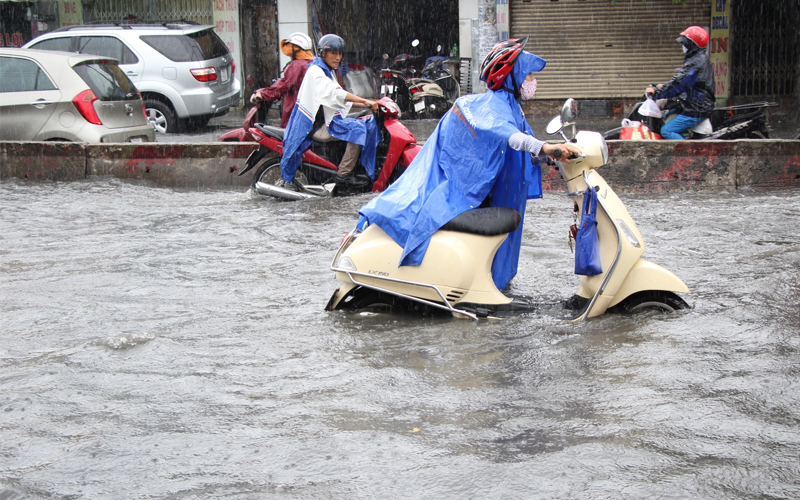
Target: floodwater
(172,344)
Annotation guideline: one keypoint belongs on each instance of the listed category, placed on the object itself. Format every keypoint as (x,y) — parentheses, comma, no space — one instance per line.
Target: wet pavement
(172,344)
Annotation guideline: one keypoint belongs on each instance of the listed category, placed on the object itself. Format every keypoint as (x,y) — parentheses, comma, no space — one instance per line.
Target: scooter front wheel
(269,172)
(652,300)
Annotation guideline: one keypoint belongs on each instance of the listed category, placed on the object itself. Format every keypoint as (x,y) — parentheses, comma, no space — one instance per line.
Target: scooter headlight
(594,148)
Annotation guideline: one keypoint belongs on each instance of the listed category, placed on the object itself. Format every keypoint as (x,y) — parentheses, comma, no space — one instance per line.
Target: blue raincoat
(465,159)
(297,138)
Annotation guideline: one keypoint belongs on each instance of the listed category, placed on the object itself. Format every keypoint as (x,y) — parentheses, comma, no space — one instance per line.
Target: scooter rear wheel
(269,172)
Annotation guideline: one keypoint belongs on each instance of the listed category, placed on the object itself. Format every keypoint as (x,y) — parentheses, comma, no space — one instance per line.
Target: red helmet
(499,62)
(696,34)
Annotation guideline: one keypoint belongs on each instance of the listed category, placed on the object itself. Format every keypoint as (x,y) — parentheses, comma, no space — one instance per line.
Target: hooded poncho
(320,89)
(466,159)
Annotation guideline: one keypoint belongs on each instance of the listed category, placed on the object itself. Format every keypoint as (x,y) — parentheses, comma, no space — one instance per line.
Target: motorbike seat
(270,131)
(489,221)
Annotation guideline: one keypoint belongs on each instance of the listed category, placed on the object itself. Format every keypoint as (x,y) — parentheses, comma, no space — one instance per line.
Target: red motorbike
(316,175)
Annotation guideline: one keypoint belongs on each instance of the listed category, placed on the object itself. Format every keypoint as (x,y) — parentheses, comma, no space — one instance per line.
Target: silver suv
(185,72)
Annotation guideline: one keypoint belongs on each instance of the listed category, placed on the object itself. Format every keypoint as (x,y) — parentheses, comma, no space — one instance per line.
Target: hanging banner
(226,22)
(502,20)
(720,55)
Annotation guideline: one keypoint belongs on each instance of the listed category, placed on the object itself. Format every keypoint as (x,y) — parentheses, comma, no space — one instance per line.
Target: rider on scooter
(695,78)
(298,47)
(479,154)
(320,114)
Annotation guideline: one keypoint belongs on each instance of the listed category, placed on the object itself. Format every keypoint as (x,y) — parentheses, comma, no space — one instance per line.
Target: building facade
(602,50)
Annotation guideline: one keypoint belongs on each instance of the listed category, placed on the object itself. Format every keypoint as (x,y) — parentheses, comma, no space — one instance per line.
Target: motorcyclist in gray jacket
(695,79)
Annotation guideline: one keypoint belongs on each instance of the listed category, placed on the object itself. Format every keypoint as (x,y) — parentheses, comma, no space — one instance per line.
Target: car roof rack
(129,23)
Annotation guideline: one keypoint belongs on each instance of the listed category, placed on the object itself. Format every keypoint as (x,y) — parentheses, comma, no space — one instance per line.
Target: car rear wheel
(161,116)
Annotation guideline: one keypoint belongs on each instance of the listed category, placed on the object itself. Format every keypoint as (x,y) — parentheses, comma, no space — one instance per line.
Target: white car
(185,72)
(59,96)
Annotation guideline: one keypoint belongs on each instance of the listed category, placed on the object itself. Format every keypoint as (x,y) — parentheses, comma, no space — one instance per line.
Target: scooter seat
(490,221)
(270,131)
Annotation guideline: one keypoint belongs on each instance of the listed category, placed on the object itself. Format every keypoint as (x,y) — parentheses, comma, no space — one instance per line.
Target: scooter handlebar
(557,154)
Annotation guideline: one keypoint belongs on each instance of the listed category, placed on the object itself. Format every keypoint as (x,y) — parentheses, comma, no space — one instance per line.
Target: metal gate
(764,54)
(605,48)
(201,11)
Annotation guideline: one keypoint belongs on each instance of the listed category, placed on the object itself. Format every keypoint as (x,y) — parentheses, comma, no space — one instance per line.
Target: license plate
(419,105)
(224,75)
(136,139)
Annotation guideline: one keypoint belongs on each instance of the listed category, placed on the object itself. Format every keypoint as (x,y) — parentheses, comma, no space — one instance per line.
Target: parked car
(61,96)
(185,72)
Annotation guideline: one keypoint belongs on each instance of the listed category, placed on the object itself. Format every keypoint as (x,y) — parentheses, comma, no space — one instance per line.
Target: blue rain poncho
(320,89)
(466,159)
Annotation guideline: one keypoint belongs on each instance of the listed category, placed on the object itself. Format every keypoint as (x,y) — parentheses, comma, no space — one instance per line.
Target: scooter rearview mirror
(554,126)
(569,112)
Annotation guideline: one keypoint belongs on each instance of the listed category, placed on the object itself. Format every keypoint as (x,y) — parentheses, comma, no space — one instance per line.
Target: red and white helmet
(696,34)
(297,38)
(499,62)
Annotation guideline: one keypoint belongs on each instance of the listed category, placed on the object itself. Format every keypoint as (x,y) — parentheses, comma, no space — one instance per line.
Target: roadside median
(633,165)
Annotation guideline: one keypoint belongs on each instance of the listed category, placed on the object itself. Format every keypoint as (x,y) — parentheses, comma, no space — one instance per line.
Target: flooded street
(172,344)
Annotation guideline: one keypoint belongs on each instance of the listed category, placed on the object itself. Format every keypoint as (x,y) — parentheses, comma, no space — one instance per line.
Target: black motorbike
(420,91)
(436,72)
(744,121)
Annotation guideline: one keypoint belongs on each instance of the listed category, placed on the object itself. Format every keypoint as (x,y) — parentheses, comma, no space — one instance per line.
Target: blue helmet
(330,42)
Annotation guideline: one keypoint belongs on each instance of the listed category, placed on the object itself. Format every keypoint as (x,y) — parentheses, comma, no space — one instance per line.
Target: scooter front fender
(646,275)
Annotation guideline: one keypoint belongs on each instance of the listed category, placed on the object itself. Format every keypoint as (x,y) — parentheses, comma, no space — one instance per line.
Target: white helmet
(297,38)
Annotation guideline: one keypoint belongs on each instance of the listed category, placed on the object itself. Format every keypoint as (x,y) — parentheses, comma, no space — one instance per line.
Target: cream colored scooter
(455,274)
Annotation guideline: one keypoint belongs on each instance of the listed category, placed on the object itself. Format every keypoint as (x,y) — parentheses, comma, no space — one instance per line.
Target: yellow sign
(720,55)
(70,12)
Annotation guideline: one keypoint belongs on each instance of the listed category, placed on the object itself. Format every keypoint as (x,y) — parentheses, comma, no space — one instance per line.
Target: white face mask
(685,50)
(528,89)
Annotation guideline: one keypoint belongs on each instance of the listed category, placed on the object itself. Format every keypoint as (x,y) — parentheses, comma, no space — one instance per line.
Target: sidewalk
(784,126)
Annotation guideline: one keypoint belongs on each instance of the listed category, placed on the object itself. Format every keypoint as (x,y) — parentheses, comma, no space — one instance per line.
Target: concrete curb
(633,165)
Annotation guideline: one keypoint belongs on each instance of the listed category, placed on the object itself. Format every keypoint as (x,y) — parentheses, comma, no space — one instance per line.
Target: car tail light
(233,65)
(84,102)
(204,74)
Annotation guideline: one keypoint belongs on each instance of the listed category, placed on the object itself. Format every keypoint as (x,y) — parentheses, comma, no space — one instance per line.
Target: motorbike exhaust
(282,193)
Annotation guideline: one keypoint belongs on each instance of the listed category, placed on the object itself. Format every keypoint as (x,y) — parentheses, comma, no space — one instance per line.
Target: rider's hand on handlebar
(565,150)
(371,105)
(256,98)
